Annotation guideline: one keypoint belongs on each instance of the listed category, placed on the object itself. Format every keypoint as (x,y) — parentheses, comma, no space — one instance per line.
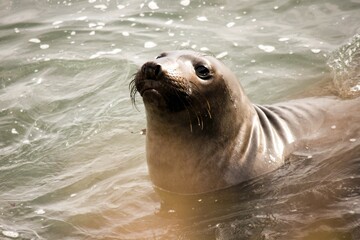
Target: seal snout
(151,71)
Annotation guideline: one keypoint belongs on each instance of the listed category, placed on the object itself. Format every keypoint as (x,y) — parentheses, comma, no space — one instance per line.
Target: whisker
(133,91)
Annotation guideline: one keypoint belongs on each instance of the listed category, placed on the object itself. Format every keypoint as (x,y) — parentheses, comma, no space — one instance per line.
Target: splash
(345,66)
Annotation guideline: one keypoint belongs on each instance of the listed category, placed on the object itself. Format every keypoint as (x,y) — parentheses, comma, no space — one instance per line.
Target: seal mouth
(149,85)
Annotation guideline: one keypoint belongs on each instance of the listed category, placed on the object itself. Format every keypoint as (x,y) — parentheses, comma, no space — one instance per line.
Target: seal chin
(148,85)
(154,98)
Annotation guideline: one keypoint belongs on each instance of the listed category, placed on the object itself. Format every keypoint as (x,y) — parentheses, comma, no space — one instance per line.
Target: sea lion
(204,134)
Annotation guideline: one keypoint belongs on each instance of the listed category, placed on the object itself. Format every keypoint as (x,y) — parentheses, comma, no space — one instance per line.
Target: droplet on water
(57,23)
(266,48)
(185,2)
(34,40)
(14,131)
(101,7)
(230,24)
(153,5)
(221,55)
(202,18)
(283,39)
(40,211)
(315,50)
(149,44)
(44,46)
(10,234)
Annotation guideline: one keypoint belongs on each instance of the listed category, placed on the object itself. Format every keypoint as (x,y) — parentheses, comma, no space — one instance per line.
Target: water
(72,161)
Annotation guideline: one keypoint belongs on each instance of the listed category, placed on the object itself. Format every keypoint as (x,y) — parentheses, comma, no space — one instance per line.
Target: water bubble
(120,6)
(352,139)
(355,88)
(185,44)
(10,234)
(185,2)
(113,52)
(202,18)
(92,25)
(83,18)
(221,55)
(40,211)
(44,46)
(149,44)
(101,7)
(34,40)
(315,50)
(153,5)
(333,127)
(266,48)
(57,23)
(92,1)
(16,30)
(14,131)
(283,39)
(169,22)
(126,34)
(92,33)
(230,24)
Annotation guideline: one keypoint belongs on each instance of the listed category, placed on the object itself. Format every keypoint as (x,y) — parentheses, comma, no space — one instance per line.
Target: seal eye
(202,72)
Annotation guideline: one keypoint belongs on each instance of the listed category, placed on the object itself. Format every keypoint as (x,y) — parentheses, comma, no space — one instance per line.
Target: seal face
(203,133)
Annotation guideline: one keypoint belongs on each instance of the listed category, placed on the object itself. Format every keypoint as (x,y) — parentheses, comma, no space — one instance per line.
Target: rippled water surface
(72,161)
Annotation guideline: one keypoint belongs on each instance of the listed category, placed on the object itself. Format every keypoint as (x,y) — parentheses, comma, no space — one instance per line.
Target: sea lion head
(187,84)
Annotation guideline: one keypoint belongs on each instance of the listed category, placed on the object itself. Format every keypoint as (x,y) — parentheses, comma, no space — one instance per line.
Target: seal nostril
(157,70)
(151,70)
